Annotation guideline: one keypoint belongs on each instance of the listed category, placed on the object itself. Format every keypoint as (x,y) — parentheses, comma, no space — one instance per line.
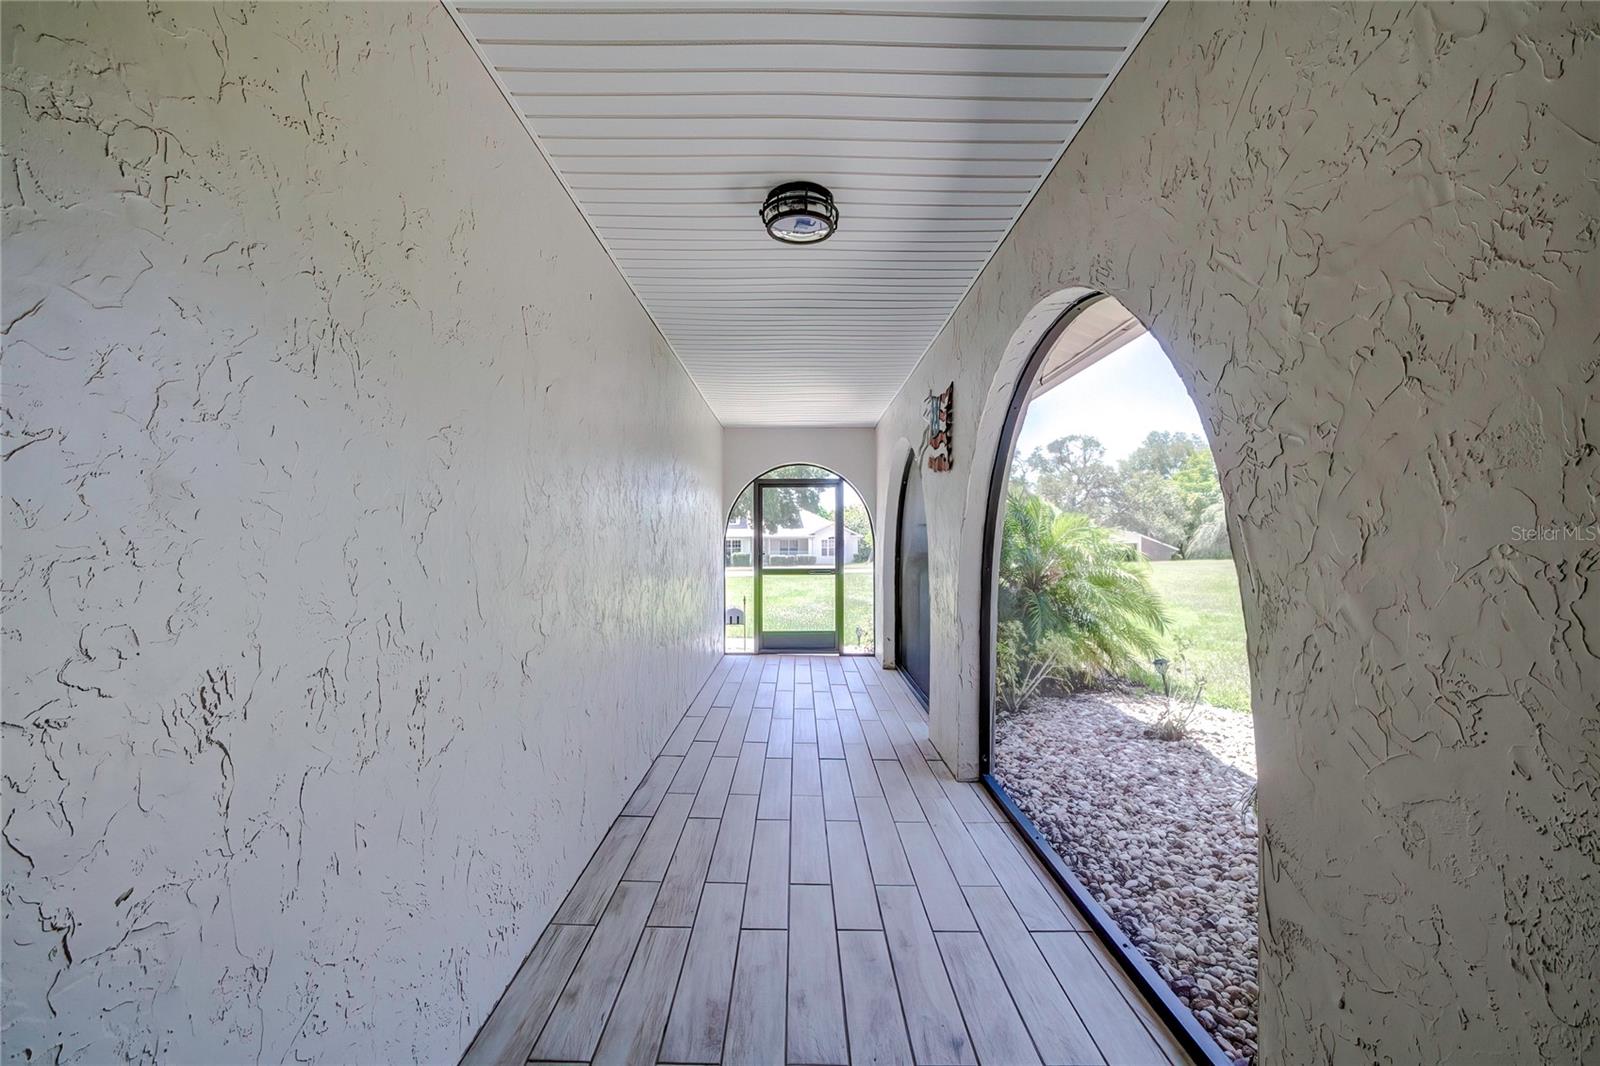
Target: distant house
(813,539)
(1155,550)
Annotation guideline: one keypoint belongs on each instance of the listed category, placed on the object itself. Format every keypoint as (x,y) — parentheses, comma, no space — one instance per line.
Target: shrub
(1173,721)
(739,560)
(1018,677)
(1210,538)
(1079,598)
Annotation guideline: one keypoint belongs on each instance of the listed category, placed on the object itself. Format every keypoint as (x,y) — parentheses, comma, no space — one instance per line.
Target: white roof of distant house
(811,524)
(1128,536)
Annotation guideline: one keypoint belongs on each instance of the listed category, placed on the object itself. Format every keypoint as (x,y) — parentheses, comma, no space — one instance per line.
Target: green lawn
(1202,600)
(800,602)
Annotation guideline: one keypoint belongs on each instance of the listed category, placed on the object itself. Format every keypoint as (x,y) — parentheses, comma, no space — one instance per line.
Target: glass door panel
(799,526)
(913,605)
(798,611)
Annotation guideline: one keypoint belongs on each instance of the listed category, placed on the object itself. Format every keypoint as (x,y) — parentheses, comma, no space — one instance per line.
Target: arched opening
(913,613)
(798,553)
(1115,721)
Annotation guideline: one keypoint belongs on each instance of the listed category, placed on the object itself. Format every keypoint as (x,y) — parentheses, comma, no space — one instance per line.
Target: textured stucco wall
(361,535)
(1366,236)
(851,451)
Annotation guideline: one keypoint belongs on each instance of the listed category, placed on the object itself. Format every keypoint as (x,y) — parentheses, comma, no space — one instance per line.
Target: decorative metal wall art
(938,410)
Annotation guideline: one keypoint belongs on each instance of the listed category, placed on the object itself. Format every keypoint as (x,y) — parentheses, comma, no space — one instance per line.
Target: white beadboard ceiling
(933,124)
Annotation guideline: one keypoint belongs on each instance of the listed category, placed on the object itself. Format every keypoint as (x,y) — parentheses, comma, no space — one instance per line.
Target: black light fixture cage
(800,212)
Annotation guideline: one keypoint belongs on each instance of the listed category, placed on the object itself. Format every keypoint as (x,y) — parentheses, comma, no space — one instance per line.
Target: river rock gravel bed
(1161,832)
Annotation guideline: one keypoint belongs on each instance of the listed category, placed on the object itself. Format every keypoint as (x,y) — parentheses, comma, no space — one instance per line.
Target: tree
(1210,537)
(1071,472)
(1198,490)
(782,506)
(1162,453)
(1079,596)
(1151,505)
(857,522)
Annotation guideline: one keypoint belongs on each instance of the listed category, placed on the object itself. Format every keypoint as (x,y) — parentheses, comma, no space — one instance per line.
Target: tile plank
(807,774)
(941,895)
(932,1016)
(580,1013)
(968,863)
(962,794)
(837,799)
(633,1033)
(508,1033)
(1062,901)
(714,788)
(855,898)
(589,895)
(647,797)
(680,889)
(877,1026)
(766,896)
(712,724)
(698,1020)
(808,842)
(1117,1031)
(780,740)
(863,775)
(877,740)
(824,707)
(678,743)
(1135,999)
(693,767)
(1034,904)
(830,743)
(897,790)
(805,724)
(760,725)
(730,859)
(884,850)
(775,789)
(655,851)
(757,1012)
(747,775)
(733,734)
(998,1034)
(816,1000)
(1057,1031)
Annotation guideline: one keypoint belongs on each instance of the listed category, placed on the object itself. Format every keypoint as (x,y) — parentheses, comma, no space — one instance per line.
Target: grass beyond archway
(1205,616)
(807,601)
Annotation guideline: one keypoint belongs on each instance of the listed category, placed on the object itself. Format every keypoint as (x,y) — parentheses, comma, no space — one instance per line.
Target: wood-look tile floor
(799,879)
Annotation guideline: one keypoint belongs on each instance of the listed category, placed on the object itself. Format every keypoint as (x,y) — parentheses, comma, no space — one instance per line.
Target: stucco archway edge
(1380,311)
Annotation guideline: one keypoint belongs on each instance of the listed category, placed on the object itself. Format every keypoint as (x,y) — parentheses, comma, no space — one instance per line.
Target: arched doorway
(913,621)
(1116,722)
(798,565)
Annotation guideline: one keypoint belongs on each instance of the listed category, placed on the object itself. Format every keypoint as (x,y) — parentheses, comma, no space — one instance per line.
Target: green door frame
(797,642)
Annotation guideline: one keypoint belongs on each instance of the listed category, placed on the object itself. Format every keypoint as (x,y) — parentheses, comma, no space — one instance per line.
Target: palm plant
(1081,597)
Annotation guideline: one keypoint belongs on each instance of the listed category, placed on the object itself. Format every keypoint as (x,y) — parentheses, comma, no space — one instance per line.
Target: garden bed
(1161,833)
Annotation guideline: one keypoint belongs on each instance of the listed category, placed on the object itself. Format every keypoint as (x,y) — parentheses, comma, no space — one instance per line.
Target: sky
(1118,401)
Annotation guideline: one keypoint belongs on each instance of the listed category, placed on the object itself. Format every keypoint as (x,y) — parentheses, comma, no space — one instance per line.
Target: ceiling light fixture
(800,212)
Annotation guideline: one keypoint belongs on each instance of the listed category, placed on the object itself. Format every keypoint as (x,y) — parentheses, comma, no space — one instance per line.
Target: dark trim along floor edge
(1180,1020)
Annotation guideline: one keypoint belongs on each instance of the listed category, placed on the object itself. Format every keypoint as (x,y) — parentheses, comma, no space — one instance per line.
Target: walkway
(799,879)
